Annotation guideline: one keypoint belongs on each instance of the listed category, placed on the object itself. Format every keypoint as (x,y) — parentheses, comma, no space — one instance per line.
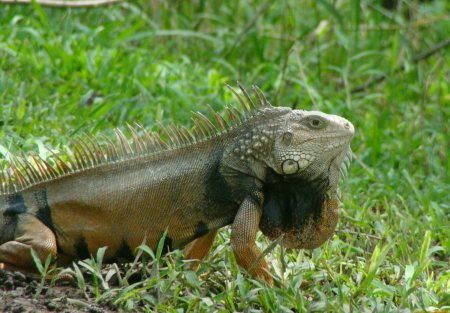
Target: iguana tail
(9,211)
(21,231)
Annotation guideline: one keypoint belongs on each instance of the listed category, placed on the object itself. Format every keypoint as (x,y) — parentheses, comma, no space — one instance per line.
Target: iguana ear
(286,138)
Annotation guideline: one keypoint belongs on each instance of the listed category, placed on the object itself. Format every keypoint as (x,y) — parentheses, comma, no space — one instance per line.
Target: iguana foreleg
(199,248)
(30,233)
(243,236)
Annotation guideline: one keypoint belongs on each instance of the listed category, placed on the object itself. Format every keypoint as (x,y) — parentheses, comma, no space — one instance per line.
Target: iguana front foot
(247,257)
(243,237)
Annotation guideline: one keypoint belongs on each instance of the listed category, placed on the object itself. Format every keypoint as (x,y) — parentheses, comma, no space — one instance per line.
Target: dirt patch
(19,294)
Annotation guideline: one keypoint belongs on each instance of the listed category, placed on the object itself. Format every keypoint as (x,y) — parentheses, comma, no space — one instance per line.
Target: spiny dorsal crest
(88,152)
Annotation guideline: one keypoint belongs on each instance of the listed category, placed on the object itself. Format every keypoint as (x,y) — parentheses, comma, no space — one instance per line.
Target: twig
(64,3)
(360,234)
(432,51)
(416,59)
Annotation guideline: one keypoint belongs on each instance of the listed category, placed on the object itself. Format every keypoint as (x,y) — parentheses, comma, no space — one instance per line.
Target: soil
(20,294)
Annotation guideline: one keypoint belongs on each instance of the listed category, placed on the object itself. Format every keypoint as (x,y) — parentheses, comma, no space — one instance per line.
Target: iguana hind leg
(30,233)
(199,248)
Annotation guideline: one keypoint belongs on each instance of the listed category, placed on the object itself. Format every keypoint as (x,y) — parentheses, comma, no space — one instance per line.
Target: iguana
(270,168)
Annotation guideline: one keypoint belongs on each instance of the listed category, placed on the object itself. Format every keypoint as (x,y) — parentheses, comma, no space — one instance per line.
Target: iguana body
(274,170)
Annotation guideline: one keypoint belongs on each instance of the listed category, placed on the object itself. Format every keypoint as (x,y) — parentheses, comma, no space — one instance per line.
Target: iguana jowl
(271,168)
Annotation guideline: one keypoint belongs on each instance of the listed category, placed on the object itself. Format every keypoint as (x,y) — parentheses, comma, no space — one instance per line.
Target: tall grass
(65,72)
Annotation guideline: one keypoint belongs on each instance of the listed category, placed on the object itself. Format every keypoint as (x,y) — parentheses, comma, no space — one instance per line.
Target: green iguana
(270,168)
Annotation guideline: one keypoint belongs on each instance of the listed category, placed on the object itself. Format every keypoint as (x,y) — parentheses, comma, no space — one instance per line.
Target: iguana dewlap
(271,168)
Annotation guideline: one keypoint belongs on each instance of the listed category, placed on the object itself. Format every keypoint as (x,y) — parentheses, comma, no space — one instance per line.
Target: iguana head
(309,143)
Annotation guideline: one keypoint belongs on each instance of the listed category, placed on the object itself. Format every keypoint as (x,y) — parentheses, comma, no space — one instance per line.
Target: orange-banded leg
(199,248)
(243,236)
(30,233)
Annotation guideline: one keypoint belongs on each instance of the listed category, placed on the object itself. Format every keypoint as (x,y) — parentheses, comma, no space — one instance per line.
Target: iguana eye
(316,122)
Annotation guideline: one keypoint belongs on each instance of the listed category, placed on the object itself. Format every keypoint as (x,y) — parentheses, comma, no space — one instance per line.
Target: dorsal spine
(87,152)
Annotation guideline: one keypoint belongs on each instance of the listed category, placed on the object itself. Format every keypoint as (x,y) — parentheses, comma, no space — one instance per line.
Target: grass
(65,72)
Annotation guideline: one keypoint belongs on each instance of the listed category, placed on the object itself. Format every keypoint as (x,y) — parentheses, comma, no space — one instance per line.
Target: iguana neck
(251,152)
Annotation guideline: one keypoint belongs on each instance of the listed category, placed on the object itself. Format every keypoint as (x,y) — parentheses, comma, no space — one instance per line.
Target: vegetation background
(69,71)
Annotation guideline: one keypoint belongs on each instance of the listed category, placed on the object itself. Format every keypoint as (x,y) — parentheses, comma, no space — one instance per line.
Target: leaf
(81,283)
(192,278)
(409,273)
(147,250)
(40,13)
(425,247)
(160,247)
(37,261)
(100,254)
(378,257)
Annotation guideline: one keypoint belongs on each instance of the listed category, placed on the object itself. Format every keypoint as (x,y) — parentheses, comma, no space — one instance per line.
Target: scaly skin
(277,171)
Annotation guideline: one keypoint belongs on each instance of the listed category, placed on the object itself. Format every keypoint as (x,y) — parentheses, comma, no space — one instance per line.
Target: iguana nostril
(290,167)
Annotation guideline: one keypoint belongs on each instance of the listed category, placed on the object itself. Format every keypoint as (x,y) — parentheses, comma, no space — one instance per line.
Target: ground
(17,294)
